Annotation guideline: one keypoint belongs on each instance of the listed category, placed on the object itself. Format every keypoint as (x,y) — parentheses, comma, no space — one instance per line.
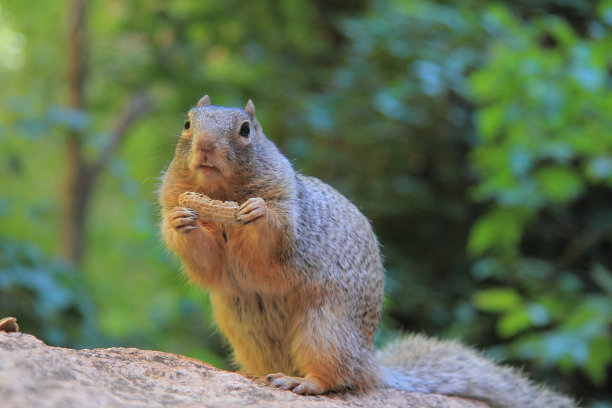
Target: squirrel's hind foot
(299,385)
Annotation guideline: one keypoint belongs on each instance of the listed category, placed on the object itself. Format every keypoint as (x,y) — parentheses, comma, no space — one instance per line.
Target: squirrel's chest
(239,241)
(250,261)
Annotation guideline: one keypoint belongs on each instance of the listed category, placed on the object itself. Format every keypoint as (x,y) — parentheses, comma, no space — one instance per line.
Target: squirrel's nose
(206,148)
(205,144)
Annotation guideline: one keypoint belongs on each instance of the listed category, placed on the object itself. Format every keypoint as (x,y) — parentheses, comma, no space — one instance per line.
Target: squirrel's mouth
(208,169)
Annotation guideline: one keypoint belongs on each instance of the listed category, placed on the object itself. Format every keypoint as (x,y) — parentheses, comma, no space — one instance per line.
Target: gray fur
(423,364)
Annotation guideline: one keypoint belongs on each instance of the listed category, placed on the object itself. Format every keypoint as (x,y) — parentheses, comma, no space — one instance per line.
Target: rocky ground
(33,374)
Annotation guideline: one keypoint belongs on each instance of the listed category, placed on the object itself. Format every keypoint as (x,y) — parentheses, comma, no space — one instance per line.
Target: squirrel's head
(218,145)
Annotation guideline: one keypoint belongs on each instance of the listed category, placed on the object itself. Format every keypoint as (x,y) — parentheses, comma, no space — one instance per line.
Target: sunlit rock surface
(33,374)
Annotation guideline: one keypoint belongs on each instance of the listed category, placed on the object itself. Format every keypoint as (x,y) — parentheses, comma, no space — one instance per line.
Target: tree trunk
(81,174)
(76,194)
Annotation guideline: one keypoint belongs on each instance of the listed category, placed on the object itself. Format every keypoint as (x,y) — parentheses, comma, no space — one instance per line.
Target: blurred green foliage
(475,135)
(544,159)
(47,295)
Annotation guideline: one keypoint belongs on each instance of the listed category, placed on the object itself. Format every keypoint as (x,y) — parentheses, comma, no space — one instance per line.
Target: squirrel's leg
(316,354)
(199,244)
(330,354)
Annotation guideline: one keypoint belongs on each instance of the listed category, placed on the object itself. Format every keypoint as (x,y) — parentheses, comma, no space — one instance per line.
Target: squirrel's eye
(187,124)
(245,129)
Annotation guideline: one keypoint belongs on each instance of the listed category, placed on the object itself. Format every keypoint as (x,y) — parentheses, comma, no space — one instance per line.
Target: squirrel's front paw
(252,209)
(183,219)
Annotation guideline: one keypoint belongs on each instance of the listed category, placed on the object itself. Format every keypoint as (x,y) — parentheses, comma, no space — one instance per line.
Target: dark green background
(475,135)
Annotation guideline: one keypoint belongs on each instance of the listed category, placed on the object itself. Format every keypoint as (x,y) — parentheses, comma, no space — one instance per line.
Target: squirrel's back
(334,234)
(337,247)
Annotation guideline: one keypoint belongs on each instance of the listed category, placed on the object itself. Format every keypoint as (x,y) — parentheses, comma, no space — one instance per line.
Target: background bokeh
(475,135)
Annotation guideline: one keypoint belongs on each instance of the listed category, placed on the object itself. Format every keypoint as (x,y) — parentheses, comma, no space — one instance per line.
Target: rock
(33,374)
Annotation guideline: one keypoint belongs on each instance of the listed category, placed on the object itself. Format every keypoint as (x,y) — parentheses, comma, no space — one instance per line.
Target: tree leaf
(500,228)
(514,321)
(497,300)
(559,183)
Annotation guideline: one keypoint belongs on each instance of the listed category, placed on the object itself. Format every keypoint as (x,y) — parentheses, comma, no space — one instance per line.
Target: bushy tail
(422,364)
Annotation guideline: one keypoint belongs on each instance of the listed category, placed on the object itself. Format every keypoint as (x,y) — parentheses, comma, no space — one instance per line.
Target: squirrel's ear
(250,108)
(204,101)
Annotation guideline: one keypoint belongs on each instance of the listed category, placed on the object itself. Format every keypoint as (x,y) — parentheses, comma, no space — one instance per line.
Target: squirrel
(297,281)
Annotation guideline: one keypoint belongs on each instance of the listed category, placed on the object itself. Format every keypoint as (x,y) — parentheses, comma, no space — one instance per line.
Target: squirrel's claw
(183,219)
(282,381)
(251,209)
(299,385)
